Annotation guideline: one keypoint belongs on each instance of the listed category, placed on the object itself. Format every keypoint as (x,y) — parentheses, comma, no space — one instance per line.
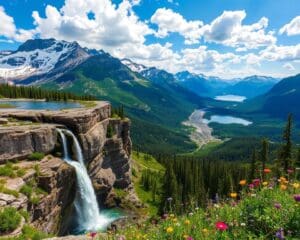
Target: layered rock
(18,142)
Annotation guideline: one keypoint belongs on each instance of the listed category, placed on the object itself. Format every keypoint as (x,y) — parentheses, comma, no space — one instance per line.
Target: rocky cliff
(106,148)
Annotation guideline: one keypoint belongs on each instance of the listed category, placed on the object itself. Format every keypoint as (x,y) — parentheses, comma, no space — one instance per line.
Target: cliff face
(107,156)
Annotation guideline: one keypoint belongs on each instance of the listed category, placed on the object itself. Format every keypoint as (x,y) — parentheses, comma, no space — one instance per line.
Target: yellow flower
(204,230)
(296,185)
(170,230)
(174,219)
(172,215)
(265,183)
(243,182)
(185,236)
(282,179)
(187,222)
(233,195)
(283,187)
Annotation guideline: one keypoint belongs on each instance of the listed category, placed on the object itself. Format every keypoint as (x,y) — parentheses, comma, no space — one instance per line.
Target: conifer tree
(285,153)
(264,156)
(253,166)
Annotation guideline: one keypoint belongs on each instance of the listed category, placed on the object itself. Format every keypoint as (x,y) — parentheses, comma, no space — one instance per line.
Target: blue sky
(228,38)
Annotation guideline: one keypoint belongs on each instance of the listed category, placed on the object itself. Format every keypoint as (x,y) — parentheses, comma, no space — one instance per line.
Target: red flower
(93,234)
(221,226)
(256,182)
(267,170)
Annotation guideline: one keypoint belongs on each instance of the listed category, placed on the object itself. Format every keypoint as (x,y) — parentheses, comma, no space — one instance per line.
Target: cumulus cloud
(168,21)
(292,28)
(9,30)
(281,53)
(228,29)
(112,26)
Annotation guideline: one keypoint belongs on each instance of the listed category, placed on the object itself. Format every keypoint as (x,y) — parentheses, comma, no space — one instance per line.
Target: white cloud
(281,53)
(227,29)
(8,28)
(292,28)
(289,66)
(112,26)
(169,21)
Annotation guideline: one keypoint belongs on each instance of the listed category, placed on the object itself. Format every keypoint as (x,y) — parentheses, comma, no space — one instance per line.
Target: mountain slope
(40,60)
(156,110)
(281,100)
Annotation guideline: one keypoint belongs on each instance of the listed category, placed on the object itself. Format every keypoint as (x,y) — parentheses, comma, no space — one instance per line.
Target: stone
(19,202)
(18,142)
(3,121)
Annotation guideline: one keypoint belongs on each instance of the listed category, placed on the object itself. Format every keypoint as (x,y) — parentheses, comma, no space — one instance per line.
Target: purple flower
(251,186)
(277,205)
(280,234)
(297,197)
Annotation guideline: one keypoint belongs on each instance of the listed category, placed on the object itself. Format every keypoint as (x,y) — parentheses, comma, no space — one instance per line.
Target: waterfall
(86,205)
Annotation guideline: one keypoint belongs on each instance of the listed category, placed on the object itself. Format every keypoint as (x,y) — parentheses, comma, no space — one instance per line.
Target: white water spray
(86,205)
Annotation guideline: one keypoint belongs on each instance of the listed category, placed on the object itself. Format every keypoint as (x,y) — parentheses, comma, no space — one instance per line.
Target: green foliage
(110,131)
(21,172)
(27,190)
(36,156)
(9,219)
(260,214)
(7,170)
(29,232)
(8,191)
(9,91)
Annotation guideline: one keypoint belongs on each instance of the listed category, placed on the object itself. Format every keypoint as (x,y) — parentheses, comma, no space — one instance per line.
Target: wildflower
(205,230)
(283,187)
(297,197)
(243,182)
(172,215)
(169,230)
(122,238)
(265,183)
(277,205)
(251,185)
(282,179)
(243,224)
(93,234)
(233,195)
(169,199)
(290,171)
(221,226)
(267,170)
(187,222)
(296,185)
(280,234)
(189,238)
(256,182)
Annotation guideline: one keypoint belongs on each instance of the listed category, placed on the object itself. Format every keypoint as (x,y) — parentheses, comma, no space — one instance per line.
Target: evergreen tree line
(31,92)
(193,182)
(118,111)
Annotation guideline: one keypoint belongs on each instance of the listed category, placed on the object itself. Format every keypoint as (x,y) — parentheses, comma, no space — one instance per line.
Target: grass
(8,170)
(267,211)
(7,105)
(9,219)
(141,162)
(8,191)
(36,156)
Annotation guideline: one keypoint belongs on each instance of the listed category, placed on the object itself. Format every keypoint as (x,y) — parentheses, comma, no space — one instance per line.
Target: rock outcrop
(18,142)
(107,156)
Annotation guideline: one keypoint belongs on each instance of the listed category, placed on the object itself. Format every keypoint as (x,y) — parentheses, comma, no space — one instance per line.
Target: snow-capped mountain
(135,67)
(36,58)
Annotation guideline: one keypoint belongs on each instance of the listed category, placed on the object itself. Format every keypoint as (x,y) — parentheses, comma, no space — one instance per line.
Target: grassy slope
(142,162)
(156,111)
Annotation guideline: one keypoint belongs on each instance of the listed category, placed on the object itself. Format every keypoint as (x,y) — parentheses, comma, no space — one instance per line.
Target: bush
(8,191)
(21,172)
(9,220)
(26,190)
(7,170)
(36,156)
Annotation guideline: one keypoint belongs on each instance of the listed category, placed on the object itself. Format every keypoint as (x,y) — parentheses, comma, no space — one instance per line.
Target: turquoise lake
(41,105)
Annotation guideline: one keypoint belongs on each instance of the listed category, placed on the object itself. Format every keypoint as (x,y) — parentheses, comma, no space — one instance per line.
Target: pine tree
(253,166)
(264,156)
(285,154)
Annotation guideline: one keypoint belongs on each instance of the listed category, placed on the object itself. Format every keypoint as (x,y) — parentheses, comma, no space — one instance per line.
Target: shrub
(7,171)
(21,172)
(26,190)
(9,220)
(36,156)
(29,232)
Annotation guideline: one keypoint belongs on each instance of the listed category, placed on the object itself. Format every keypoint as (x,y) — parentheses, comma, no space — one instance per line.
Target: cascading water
(86,205)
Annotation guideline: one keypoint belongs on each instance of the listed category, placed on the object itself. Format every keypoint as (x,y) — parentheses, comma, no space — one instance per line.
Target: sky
(225,38)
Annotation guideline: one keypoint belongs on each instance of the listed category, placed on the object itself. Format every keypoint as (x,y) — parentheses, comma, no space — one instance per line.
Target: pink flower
(221,226)
(256,182)
(251,185)
(93,234)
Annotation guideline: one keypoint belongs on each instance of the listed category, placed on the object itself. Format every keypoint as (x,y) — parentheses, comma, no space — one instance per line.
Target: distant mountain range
(157,101)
